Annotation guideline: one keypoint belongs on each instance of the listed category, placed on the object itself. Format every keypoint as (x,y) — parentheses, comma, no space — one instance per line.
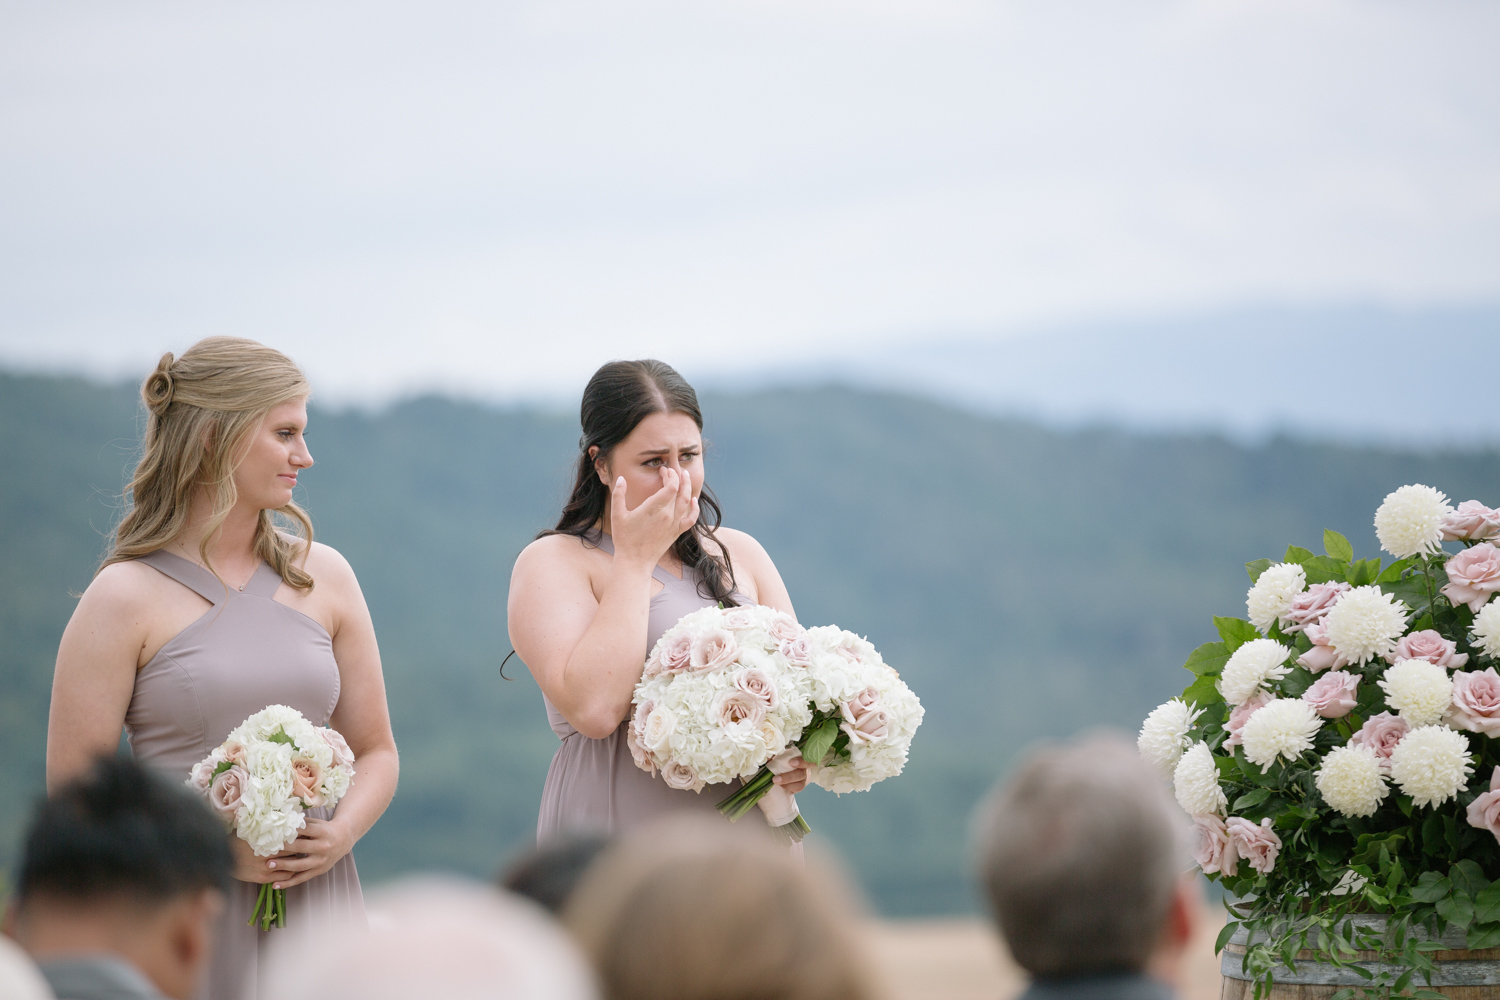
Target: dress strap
(264,581)
(192,576)
(666,579)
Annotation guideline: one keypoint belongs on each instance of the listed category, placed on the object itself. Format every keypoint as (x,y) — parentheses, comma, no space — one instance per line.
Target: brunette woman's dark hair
(619,396)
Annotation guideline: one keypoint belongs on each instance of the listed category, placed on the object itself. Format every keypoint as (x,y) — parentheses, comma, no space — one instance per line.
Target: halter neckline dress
(594,786)
(246,652)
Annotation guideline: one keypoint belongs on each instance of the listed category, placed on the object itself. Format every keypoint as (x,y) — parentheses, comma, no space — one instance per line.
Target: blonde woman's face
(661,441)
(275,454)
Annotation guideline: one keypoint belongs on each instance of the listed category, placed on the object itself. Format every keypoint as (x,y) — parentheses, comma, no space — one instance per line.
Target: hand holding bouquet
(744,692)
(262,778)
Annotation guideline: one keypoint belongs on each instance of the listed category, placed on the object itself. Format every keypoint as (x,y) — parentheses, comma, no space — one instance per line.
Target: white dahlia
(1196,783)
(1486,632)
(1283,728)
(1410,521)
(1273,593)
(1365,623)
(1251,666)
(1350,781)
(1164,736)
(1431,764)
(1418,690)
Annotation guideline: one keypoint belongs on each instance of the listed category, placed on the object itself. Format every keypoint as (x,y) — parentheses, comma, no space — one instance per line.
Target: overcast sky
(496,196)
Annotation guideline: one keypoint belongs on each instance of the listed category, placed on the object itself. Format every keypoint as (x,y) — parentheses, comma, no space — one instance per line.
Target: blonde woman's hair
(688,909)
(201,409)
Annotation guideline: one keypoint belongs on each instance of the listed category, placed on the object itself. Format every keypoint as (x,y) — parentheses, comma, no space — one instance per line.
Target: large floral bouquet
(1336,751)
(262,778)
(744,692)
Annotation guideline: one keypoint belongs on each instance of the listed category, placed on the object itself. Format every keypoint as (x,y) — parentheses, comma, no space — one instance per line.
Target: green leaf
(224,765)
(1392,573)
(1203,691)
(1208,658)
(1225,935)
(1469,878)
(1251,798)
(1321,569)
(1256,568)
(1487,905)
(1235,632)
(1457,909)
(1362,572)
(1430,888)
(1484,936)
(1297,554)
(1450,832)
(1432,833)
(817,743)
(1337,546)
(280,736)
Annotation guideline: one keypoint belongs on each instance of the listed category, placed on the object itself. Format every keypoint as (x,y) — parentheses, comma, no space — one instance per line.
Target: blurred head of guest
(1083,855)
(549,874)
(693,909)
(432,937)
(121,880)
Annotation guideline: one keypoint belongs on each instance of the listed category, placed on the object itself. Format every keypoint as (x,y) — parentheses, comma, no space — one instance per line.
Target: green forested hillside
(1028,583)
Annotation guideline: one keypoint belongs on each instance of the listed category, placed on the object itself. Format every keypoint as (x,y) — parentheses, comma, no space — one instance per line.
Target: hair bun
(157,389)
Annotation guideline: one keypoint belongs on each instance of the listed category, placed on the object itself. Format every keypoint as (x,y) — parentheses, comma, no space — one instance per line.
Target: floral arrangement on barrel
(1337,750)
(745,692)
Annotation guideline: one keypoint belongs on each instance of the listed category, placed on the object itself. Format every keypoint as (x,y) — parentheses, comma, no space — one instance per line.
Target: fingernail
(276,885)
(270,864)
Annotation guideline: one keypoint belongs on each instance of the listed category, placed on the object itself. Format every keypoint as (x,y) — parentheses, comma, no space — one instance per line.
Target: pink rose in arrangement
(1473,576)
(678,653)
(757,684)
(714,649)
(202,774)
(680,776)
(784,628)
(1333,695)
(1381,733)
(1213,848)
(1242,713)
(865,701)
(637,752)
(307,781)
(1484,812)
(798,651)
(738,619)
(1429,645)
(736,706)
(1321,656)
(228,790)
(342,755)
(1476,702)
(1311,605)
(1258,845)
(1471,519)
(869,727)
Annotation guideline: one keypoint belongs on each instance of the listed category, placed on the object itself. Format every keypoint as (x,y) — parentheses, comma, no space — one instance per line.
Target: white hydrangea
(1250,667)
(1486,634)
(1284,727)
(1164,736)
(858,666)
(1351,782)
(1365,623)
(1410,521)
(1418,690)
(1196,783)
(1273,593)
(1431,764)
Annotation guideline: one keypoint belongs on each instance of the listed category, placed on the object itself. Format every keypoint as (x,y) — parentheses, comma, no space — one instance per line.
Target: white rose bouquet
(1337,749)
(262,778)
(745,692)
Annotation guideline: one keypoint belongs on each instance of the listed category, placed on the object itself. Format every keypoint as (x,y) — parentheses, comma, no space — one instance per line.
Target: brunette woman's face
(661,441)
(275,453)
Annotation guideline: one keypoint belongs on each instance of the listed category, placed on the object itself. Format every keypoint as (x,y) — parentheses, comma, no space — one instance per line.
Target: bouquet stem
(753,793)
(270,908)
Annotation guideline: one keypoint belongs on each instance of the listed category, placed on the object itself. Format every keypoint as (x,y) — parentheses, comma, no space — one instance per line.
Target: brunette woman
(638,545)
(206,611)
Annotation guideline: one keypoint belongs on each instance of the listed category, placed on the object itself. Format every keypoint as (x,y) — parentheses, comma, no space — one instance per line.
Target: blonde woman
(205,611)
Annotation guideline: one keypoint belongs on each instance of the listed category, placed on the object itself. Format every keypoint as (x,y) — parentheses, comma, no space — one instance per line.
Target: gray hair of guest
(1080,852)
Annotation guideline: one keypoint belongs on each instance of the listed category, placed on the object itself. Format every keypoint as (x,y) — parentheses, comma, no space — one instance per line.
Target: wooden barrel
(1461,974)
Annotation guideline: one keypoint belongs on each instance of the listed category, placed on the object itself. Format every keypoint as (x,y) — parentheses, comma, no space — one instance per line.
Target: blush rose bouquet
(264,776)
(1336,749)
(745,692)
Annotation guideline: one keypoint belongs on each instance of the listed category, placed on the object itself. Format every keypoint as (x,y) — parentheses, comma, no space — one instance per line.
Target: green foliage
(1337,546)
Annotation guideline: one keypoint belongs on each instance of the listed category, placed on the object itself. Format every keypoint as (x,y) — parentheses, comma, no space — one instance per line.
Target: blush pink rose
(1311,605)
(738,619)
(1381,733)
(758,684)
(1241,715)
(784,628)
(870,727)
(1476,702)
(865,701)
(642,712)
(228,791)
(677,654)
(1213,848)
(1333,695)
(680,776)
(798,651)
(1258,845)
(1484,812)
(307,781)
(1321,656)
(736,706)
(1471,519)
(1473,576)
(202,774)
(638,752)
(1429,645)
(714,649)
(342,755)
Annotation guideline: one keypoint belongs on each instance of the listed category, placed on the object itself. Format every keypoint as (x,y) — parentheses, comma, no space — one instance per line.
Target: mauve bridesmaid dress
(593,786)
(245,653)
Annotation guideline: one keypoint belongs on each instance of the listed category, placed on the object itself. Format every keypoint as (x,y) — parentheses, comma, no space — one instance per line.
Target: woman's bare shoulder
(124,588)
(741,544)
(556,550)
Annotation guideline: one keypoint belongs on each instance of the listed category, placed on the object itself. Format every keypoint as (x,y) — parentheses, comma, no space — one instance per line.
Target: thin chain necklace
(193,559)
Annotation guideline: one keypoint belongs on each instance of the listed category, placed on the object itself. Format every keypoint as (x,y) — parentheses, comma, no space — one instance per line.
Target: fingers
(300,877)
(617,500)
